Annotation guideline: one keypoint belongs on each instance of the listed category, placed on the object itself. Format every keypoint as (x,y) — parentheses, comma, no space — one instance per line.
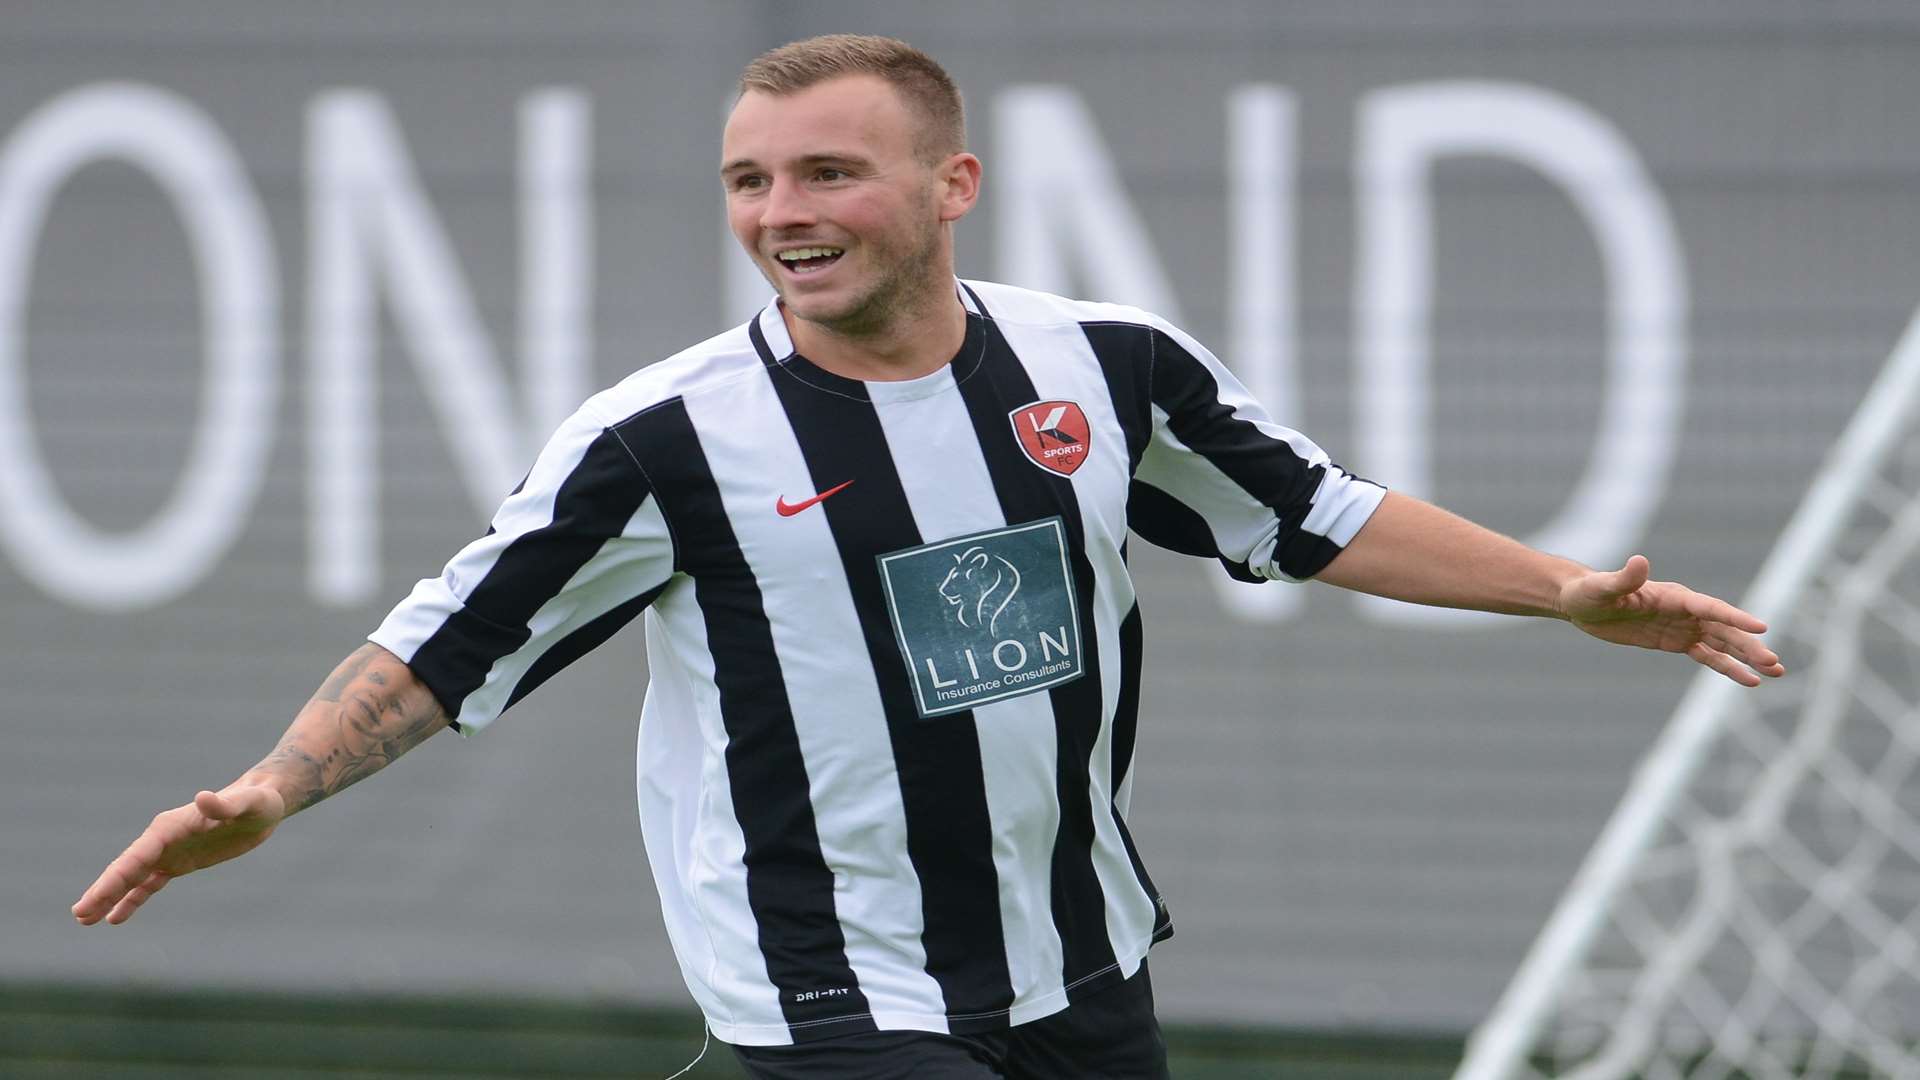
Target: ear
(959,185)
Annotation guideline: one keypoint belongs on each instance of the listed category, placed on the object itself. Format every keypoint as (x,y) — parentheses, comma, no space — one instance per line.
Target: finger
(133,866)
(238,802)
(1746,648)
(106,889)
(1712,608)
(139,895)
(1707,656)
(1751,652)
(96,901)
(1627,579)
(217,806)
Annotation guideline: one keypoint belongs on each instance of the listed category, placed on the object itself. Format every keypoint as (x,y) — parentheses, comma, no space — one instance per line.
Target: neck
(913,343)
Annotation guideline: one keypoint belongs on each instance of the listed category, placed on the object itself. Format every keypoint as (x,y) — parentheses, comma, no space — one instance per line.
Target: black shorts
(1112,1035)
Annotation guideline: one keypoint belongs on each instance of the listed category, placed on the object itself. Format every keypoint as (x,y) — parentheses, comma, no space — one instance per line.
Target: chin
(830,312)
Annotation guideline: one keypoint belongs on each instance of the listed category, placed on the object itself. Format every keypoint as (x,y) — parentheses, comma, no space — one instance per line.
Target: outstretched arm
(1414,551)
(369,711)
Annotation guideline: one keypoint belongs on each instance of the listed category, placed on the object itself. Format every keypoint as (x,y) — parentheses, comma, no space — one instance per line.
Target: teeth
(808,253)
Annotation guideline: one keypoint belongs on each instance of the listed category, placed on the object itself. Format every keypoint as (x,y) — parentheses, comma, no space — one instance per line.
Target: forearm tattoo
(368,712)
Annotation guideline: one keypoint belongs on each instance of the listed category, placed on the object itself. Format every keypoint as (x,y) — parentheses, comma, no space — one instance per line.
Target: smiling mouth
(802,261)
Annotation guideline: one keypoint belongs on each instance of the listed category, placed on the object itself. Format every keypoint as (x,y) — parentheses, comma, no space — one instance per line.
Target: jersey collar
(768,331)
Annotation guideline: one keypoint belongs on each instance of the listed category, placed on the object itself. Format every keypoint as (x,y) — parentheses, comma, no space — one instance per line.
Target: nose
(786,207)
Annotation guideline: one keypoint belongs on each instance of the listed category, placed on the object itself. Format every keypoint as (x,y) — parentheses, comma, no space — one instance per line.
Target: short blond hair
(922,83)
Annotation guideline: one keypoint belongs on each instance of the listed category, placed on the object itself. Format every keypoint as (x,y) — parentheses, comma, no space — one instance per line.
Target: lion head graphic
(980,585)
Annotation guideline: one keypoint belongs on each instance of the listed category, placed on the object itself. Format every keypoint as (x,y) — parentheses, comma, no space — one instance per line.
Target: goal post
(1752,908)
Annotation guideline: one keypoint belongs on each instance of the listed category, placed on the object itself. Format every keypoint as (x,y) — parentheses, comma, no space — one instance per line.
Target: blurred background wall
(289,292)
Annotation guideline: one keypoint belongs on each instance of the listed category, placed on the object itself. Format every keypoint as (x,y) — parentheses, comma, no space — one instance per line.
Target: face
(826,193)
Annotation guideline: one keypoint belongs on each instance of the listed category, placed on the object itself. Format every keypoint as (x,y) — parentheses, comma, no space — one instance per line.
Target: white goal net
(1752,910)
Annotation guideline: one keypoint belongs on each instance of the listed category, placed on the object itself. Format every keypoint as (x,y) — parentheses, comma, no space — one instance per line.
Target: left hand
(1623,607)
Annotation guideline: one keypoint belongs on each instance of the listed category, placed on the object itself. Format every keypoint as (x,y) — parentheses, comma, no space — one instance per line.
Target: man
(879,536)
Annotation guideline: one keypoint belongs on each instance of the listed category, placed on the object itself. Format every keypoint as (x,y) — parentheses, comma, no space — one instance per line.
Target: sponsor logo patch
(986,617)
(1054,435)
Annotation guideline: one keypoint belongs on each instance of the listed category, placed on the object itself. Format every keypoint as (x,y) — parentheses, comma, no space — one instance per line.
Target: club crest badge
(1054,435)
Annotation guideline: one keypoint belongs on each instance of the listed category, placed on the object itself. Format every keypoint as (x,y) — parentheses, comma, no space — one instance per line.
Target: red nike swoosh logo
(788,509)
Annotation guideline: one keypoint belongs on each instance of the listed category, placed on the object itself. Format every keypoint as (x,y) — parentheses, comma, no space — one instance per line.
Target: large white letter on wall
(1402,132)
(179,146)
(1060,196)
(367,215)
(1062,208)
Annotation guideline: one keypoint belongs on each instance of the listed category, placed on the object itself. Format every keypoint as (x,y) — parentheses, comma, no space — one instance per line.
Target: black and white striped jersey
(893,647)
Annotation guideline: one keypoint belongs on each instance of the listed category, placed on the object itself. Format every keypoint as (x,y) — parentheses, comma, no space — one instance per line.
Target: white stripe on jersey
(855,793)
(1101,484)
(741,1003)
(950,494)
(1339,519)
(671,770)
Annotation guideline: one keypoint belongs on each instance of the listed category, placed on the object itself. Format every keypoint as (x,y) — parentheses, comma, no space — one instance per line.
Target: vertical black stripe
(1267,469)
(1126,722)
(789,886)
(1028,494)
(1125,352)
(592,505)
(1126,712)
(942,784)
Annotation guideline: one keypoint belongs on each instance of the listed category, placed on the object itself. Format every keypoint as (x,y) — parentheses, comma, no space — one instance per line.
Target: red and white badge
(1054,434)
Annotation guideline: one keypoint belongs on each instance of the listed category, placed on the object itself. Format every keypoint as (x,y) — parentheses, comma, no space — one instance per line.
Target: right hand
(211,829)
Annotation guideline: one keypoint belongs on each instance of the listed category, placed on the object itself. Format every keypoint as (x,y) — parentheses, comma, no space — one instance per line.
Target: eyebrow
(810,159)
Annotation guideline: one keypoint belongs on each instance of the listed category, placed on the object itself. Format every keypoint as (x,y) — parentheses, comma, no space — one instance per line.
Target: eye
(831,174)
(748,182)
